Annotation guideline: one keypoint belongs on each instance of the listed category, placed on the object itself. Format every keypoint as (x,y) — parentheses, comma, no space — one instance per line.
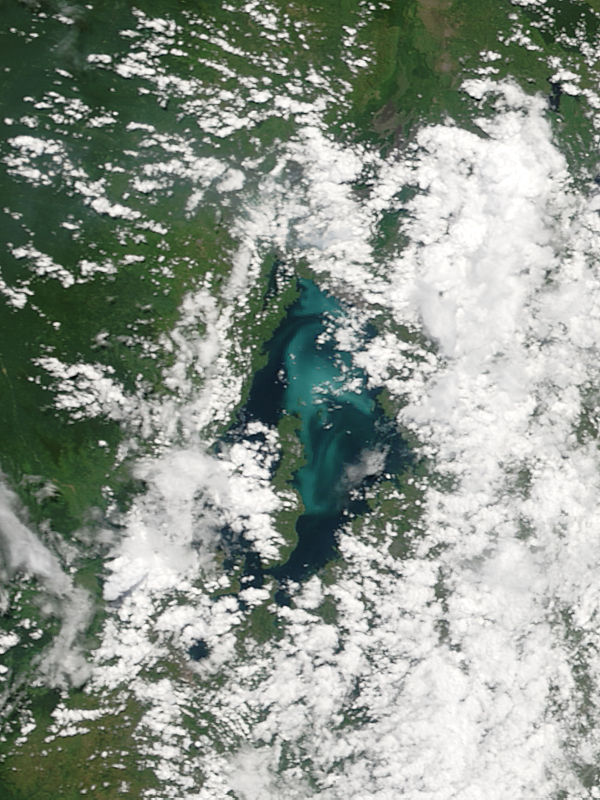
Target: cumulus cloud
(448,674)
(451,673)
(371,462)
(191,496)
(22,551)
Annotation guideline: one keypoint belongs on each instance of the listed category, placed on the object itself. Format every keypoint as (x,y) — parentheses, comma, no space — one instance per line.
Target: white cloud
(62,663)
(190,496)
(455,666)
(449,673)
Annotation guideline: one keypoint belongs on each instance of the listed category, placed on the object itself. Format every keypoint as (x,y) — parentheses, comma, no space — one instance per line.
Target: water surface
(346,439)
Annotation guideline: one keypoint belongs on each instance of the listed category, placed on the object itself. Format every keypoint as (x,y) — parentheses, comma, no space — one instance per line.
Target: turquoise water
(308,376)
(336,424)
(121,122)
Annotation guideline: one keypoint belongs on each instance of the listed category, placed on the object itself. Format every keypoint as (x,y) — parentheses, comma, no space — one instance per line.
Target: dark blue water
(346,438)
(199,650)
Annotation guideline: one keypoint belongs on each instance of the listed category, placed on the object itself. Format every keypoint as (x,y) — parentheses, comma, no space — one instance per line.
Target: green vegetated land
(421,51)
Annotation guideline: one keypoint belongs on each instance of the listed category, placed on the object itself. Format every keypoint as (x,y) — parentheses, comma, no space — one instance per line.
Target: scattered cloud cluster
(462,670)
(23,553)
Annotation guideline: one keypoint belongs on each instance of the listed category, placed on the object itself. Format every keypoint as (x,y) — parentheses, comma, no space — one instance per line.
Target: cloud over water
(445,647)
(453,672)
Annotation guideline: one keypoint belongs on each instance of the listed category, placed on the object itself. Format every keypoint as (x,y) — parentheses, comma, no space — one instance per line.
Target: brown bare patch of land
(435,16)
